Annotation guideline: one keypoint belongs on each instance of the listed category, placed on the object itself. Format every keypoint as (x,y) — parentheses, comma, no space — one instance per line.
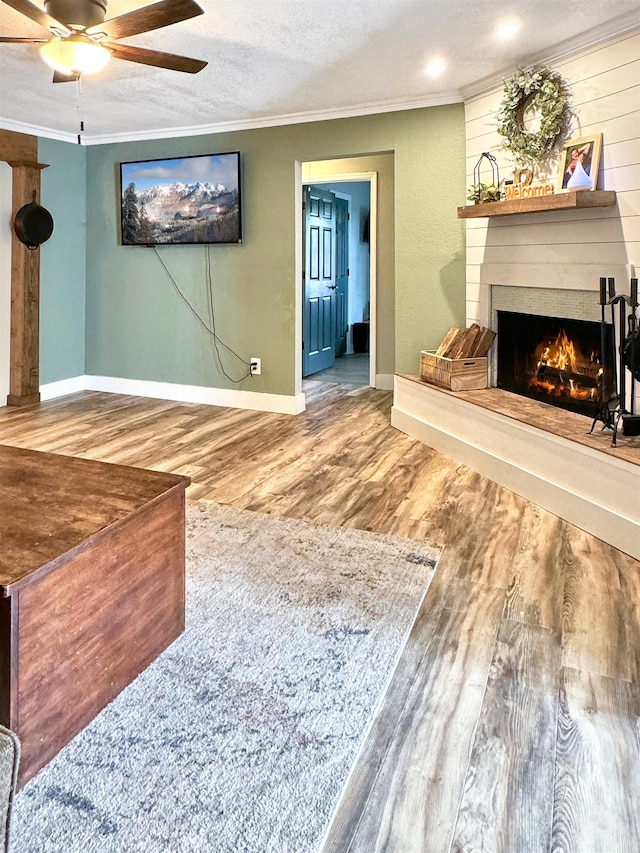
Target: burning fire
(562,370)
(561,353)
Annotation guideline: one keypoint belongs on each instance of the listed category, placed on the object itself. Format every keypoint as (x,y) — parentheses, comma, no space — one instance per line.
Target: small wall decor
(480,191)
(540,93)
(33,224)
(579,162)
(522,186)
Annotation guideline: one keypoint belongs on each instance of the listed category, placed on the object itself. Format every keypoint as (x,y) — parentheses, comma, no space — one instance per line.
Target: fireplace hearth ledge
(597,492)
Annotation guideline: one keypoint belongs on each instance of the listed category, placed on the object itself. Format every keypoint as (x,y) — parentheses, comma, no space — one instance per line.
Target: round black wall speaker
(33,225)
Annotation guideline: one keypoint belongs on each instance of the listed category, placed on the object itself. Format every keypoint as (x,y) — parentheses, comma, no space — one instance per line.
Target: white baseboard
(594,491)
(227,397)
(62,387)
(384,381)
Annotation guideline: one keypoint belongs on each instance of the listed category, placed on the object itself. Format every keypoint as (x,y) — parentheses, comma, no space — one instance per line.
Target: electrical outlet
(255,368)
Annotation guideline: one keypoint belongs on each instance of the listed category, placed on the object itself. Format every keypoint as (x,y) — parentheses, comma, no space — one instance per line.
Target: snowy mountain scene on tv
(182,200)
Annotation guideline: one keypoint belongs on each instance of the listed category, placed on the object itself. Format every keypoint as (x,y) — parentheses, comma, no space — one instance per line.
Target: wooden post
(24,376)
(18,146)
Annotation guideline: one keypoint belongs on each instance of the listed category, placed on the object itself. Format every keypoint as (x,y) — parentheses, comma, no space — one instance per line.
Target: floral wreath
(546,92)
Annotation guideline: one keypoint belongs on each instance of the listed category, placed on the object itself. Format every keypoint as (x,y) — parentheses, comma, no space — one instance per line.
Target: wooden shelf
(557,201)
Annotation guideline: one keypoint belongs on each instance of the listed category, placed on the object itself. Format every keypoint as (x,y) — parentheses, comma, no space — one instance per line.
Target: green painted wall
(62,262)
(136,325)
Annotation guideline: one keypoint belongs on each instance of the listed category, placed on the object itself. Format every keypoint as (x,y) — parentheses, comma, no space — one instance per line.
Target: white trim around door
(342,177)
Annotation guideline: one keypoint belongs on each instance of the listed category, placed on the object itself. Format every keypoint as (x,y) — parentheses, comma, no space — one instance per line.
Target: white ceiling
(272,61)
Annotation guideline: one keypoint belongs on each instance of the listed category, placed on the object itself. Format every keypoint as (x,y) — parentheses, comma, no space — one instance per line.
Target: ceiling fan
(81,40)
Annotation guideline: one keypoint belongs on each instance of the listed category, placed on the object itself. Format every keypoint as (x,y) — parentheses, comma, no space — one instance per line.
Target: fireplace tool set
(614,411)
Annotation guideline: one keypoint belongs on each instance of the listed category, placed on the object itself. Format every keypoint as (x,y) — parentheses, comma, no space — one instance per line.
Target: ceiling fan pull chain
(79,108)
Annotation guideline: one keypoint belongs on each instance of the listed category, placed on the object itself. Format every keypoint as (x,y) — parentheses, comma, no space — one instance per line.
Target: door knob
(332,287)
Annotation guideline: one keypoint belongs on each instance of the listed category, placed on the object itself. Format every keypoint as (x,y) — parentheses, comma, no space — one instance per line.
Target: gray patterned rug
(239,737)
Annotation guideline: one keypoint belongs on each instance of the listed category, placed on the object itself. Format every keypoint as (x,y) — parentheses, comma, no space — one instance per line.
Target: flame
(562,355)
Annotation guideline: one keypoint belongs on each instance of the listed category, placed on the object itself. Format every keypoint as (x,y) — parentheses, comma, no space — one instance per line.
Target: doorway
(338,274)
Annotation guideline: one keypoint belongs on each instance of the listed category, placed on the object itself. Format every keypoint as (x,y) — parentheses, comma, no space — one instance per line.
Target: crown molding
(36,130)
(277,121)
(242,124)
(610,31)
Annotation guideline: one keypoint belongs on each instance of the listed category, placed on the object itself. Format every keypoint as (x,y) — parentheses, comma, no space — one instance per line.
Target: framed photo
(177,200)
(579,163)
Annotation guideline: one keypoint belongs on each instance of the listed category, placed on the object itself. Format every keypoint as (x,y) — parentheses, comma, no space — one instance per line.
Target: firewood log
(483,343)
(469,342)
(464,342)
(452,335)
(555,375)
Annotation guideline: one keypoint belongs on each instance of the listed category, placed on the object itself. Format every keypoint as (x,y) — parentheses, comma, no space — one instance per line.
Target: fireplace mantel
(557,201)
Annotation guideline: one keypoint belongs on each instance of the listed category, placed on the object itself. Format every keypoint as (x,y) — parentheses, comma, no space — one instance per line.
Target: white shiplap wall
(565,249)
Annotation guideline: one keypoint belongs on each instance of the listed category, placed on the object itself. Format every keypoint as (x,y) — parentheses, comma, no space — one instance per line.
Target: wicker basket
(457,374)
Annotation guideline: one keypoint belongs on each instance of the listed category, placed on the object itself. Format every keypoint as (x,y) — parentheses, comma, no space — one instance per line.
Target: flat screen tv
(181,200)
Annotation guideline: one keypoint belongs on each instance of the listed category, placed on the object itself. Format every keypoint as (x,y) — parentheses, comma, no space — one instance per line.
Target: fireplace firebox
(555,360)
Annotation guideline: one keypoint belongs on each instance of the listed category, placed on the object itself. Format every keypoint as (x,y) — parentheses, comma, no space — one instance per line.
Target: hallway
(351,369)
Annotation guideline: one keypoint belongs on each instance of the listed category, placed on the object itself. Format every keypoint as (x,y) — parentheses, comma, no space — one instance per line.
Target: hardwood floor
(512,722)
(351,369)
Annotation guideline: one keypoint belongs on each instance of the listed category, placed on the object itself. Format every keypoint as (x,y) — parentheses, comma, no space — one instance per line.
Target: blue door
(319,277)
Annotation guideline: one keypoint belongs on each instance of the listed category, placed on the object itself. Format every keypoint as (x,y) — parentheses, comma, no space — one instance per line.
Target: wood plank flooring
(505,803)
(351,369)
(512,722)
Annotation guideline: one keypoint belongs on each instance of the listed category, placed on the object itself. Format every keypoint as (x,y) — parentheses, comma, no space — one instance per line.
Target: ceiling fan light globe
(76,54)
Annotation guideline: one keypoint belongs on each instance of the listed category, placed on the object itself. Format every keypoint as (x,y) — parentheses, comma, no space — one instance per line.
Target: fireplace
(555,360)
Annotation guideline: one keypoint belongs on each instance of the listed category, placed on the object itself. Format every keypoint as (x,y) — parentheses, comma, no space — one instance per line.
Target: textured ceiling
(272,59)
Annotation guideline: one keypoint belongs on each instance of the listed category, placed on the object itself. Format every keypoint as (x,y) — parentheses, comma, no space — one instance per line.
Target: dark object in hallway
(361,337)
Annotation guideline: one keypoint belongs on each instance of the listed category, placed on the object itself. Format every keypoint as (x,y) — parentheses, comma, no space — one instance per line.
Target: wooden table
(91,589)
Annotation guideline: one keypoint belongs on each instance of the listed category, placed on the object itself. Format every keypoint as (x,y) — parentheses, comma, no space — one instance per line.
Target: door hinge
(304,205)
(348,216)
(348,273)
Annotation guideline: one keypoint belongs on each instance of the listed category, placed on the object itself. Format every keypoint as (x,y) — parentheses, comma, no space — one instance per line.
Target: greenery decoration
(543,92)
(484,192)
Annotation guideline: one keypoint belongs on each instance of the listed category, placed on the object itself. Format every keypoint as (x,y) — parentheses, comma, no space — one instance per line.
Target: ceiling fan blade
(11,40)
(155,57)
(30,10)
(59,77)
(147,18)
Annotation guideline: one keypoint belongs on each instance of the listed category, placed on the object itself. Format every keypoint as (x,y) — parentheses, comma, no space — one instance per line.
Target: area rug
(240,736)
